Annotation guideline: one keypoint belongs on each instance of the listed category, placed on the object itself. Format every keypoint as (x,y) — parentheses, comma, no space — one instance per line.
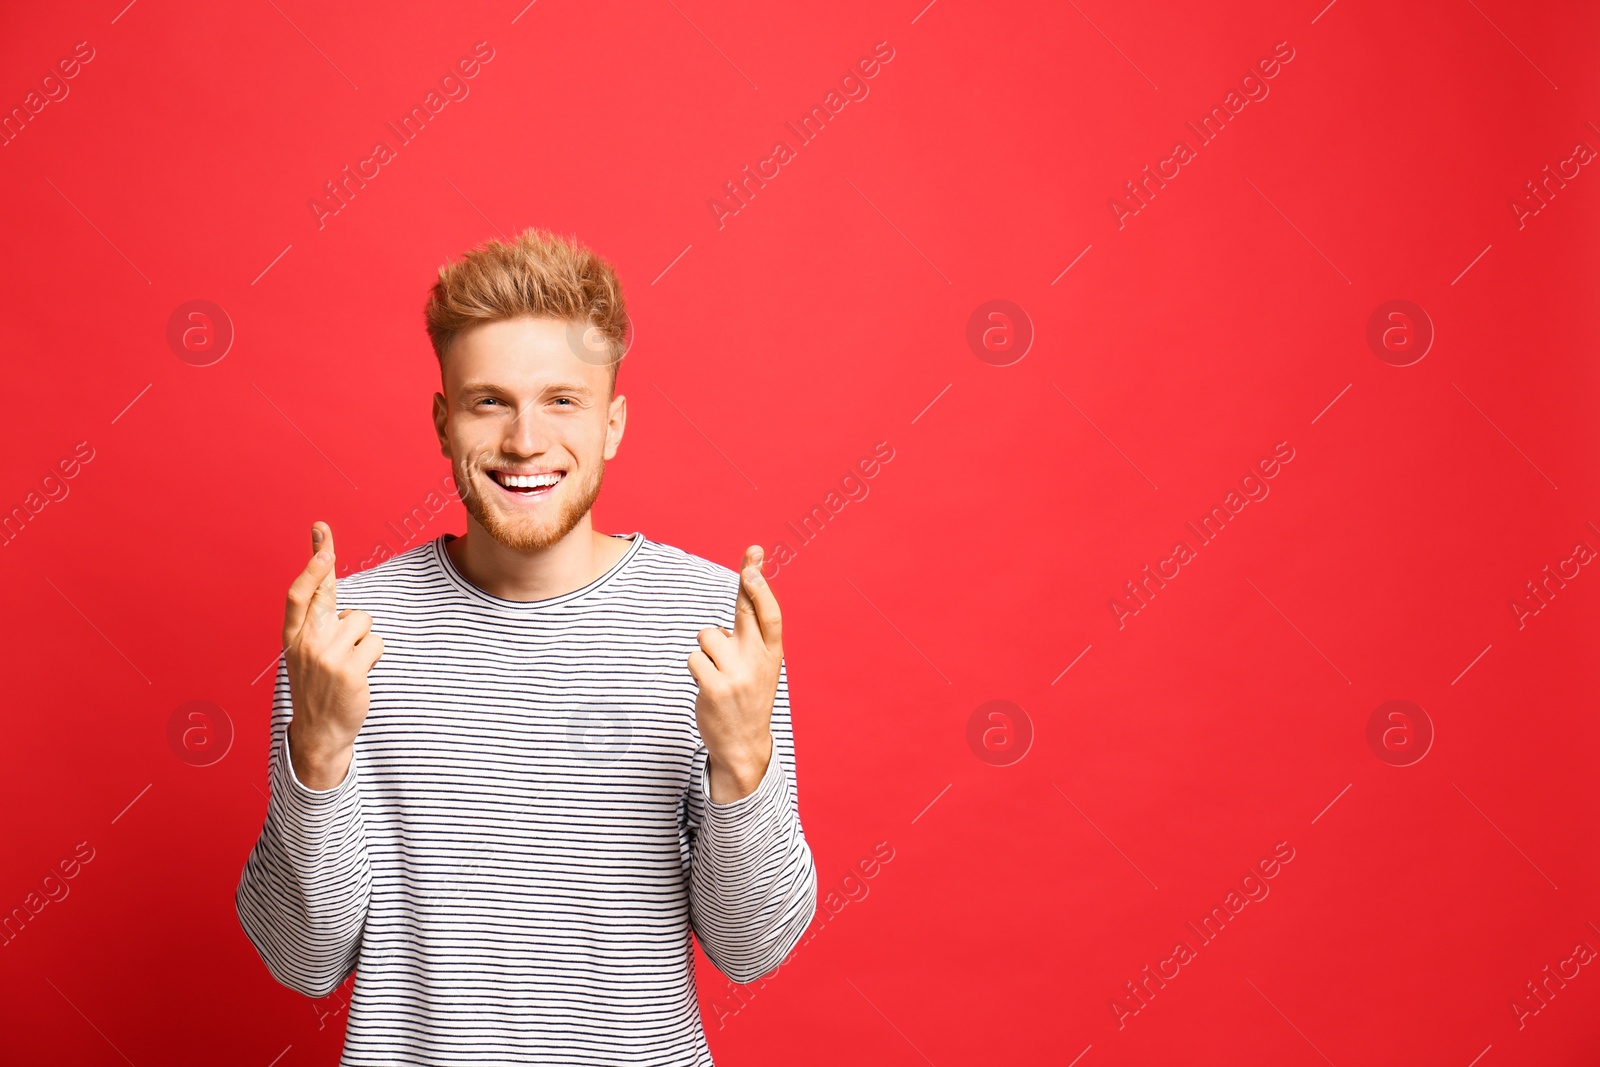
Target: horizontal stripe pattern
(525,838)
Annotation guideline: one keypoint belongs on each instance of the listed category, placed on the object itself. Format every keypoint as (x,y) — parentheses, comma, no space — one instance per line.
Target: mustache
(487,461)
(480,464)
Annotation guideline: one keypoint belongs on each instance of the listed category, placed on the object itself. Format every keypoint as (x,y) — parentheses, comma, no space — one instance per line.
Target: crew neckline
(456,578)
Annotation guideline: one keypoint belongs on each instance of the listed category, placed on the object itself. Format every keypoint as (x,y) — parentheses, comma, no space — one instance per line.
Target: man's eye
(488,400)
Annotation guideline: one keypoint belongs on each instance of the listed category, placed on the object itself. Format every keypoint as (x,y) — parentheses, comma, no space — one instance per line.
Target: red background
(772,353)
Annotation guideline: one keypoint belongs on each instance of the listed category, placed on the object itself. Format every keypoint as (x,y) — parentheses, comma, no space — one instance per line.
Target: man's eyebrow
(554,387)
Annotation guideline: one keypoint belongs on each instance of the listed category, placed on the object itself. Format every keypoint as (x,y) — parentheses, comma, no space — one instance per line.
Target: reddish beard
(526,532)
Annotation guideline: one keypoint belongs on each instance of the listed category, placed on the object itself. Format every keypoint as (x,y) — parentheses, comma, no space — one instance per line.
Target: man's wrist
(318,763)
(734,778)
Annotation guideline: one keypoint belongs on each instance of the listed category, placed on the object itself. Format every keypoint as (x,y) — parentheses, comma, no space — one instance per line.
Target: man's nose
(528,434)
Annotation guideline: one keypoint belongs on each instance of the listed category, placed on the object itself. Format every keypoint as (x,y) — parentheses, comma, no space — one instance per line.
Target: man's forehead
(520,338)
(521,355)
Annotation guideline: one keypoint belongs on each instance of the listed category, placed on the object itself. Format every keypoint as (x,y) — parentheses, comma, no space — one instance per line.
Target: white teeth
(527,481)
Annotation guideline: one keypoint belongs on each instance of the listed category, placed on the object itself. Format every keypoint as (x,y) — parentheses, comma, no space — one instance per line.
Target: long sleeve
(303,896)
(753,884)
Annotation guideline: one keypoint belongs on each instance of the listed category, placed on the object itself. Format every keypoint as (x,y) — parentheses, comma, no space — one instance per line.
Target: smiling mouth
(527,486)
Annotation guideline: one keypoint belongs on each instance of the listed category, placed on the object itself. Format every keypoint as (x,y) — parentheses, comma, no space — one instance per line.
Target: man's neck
(571,563)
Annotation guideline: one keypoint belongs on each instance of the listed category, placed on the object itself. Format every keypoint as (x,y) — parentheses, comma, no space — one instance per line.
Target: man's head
(528,336)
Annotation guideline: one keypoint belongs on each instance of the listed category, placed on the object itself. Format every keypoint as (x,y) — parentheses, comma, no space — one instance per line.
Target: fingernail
(316,536)
(323,557)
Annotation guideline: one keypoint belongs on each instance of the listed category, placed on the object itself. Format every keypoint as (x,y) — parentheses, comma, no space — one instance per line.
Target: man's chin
(524,534)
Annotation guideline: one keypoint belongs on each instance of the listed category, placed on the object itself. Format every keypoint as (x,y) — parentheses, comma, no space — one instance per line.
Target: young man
(512,770)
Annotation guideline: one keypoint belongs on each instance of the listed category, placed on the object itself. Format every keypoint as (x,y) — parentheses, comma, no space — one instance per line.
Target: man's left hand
(738,677)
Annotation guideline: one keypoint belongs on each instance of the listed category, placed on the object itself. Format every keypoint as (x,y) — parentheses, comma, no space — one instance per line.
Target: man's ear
(616,422)
(440,422)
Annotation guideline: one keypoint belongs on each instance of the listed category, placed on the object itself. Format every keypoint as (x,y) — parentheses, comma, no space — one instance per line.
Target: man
(512,770)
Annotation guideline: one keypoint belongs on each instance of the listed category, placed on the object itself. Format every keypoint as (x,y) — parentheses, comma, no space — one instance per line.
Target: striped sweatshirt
(525,837)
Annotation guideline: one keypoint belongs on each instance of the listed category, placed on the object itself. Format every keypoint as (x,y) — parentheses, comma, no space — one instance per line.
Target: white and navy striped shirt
(526,835)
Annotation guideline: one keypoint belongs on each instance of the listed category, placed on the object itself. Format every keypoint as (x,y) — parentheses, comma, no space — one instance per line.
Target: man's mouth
(529,485)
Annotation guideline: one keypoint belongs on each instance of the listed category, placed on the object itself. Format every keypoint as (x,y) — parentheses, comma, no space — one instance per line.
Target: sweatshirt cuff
(301,798)
(767,796)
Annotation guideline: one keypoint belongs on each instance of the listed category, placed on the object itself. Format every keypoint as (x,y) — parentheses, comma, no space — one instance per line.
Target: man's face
(519,400)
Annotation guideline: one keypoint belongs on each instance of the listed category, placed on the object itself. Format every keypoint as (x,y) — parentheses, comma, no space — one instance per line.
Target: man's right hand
(328,653)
